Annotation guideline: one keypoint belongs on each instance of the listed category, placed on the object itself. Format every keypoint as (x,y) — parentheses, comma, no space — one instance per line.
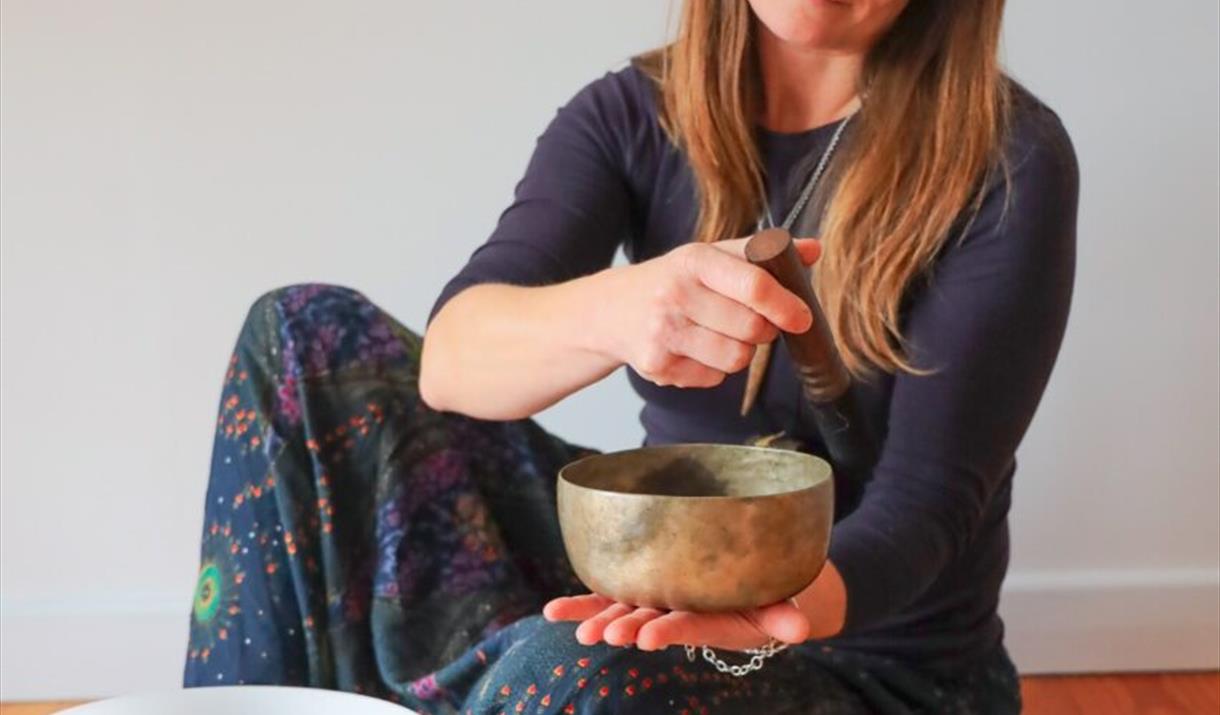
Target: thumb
(809,249)
(735,247)
(782,621)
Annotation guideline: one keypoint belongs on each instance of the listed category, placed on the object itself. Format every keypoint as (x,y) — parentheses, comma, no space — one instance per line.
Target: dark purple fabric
(925,552)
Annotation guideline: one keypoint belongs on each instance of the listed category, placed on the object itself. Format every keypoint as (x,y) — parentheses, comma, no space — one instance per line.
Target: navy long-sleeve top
(924,553)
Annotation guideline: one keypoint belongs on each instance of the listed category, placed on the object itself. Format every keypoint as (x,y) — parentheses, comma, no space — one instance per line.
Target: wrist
(603,296)
(824,603)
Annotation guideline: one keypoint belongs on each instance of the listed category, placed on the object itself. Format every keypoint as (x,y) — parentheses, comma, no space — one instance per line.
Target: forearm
(504,352)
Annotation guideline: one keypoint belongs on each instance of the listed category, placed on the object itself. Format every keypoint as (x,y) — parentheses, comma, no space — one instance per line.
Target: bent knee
(316,328)
(299,297)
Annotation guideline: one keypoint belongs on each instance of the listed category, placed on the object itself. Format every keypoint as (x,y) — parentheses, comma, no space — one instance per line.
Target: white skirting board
(82,648)
(1106,621)
(1075,621)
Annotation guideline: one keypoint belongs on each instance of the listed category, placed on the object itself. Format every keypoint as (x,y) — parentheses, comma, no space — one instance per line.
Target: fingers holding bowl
(591,631)
(622,632)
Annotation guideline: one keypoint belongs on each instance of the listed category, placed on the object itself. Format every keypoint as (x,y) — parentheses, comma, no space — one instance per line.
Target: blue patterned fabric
(355,539)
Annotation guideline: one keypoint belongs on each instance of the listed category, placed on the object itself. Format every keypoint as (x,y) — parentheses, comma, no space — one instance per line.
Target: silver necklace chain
(766,221)
(758,656)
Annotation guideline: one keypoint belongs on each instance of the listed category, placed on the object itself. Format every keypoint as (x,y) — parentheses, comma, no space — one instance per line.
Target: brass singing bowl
(697,527)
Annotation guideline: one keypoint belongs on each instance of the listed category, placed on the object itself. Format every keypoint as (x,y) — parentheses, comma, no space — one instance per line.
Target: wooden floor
(1153,694)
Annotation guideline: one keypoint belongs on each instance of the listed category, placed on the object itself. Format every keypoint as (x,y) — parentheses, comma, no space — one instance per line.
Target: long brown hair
(928,134)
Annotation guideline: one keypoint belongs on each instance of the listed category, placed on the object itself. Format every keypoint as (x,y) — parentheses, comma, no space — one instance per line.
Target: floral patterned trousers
(355,539)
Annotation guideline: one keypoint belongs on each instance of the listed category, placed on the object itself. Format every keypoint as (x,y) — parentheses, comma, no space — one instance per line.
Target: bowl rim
(824,476)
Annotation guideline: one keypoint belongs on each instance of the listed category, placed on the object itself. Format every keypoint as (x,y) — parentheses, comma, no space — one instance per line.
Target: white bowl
(242,700)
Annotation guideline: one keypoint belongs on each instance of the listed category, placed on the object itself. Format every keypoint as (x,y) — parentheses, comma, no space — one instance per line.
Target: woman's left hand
(618,624)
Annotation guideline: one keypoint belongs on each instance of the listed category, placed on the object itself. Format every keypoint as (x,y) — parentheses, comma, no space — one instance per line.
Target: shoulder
(1038,151)
(1037,182)
(1028,205)
(619,111)
(624,96)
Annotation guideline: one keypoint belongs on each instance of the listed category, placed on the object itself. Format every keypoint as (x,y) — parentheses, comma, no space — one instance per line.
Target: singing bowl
(697,527)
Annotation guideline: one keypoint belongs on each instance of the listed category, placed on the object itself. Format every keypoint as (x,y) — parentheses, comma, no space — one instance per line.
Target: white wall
(164,163)
(1116,525)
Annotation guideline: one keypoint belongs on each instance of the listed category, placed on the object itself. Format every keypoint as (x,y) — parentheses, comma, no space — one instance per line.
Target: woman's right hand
(695,315)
